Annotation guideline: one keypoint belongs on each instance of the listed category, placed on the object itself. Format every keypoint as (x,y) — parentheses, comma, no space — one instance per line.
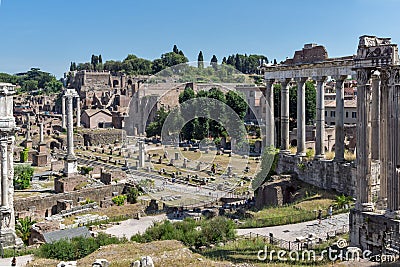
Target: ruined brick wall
(103,136)
(40,207)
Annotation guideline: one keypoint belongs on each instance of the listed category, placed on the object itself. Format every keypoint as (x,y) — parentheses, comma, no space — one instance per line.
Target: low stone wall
(326,174)
(44,206)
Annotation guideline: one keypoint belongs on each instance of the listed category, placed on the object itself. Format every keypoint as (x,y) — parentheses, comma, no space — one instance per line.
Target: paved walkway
(290,232)
(131,227)
(21,260)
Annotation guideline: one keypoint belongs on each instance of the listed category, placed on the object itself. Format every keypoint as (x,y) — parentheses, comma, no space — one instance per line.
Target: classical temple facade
(374,179)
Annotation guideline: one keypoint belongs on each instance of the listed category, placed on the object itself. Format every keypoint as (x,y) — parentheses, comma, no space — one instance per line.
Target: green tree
(311,98)
(100,59)
(268,165)
(132,195)
(214,61)
(175,49)
(237,102)
(53,86)
(155,127)
(22,176)
(29,85)
(200,60)
(171,59)
(342,200)
(23,228)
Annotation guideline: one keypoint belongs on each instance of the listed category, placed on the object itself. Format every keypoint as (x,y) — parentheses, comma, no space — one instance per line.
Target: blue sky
(49,34)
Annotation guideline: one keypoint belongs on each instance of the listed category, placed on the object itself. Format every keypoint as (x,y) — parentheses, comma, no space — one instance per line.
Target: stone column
(141,154)
(320,130)
(63,116)
(383,140)
(70,128)
(301,116)
(364,194)
(393,160)
(41,133)
(78,112)
(4,174)
(10,186)
(269,120)
(339,118)
(375,115)
(285,116)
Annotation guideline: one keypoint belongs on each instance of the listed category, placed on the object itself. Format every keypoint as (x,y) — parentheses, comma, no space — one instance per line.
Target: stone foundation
(371,231)
(43,206)
(326,174)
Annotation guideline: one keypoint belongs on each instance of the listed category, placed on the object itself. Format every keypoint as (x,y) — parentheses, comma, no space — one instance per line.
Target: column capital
(376,75)
(269,82)
(339,78)
(319,78)
(301,79)
(284,82)
(363,75)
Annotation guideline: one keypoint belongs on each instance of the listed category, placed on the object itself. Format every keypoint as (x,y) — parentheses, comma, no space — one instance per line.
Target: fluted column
(383,140)
(320,130)
(285,83)
(70,128)
(4,173)
(301,116)
(339,118)
(63,116)
(78,111)
(375,115)
(393,170)
(269,120)
(364,194)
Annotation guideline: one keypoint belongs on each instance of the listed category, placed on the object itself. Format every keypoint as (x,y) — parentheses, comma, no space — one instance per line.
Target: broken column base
(370,230)
(70,167)
(8,238)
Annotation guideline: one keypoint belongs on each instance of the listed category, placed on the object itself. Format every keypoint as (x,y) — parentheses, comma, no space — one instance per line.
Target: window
(347,114)
(326,113)
(354,115)
(332,114)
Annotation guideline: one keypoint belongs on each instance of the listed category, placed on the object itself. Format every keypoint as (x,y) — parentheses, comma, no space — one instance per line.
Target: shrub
(75,248)
(119,200)
(218,229)
(22,176)
(132,195)
(24,155)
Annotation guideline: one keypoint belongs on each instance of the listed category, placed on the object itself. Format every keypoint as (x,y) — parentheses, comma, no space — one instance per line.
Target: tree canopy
(32,80)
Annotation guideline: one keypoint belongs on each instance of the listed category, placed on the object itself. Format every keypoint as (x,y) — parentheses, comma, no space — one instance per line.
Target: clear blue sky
(49,34)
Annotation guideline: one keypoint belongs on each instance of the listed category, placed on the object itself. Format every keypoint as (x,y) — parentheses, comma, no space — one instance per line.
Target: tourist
(330,212)
(319,217)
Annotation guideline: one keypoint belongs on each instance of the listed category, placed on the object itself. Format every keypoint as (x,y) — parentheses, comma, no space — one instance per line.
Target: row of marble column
(64,115)
(378,139)
(301,121)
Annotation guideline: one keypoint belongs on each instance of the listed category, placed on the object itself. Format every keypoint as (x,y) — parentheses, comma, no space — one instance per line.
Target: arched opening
(293,142)
(130,82)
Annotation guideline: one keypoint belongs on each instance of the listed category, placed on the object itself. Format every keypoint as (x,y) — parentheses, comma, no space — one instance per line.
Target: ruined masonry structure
(375,182)
(7,131)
